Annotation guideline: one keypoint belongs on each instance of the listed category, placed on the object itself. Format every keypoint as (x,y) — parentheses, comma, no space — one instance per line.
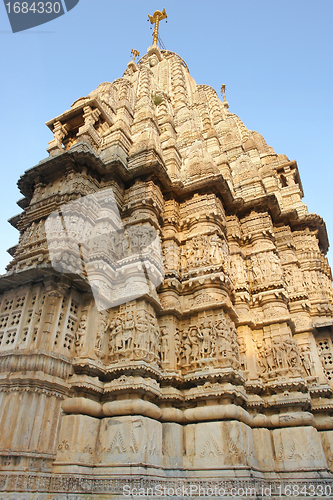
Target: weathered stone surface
(167,315)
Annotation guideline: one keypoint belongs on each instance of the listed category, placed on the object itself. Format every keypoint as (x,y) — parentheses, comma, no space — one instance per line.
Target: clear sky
(275,57)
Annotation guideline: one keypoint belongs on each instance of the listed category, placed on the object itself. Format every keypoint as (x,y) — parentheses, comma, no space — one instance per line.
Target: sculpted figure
(220,327)
(278,353)
(118,334)
(134,234)
(240,271)
(141,329)
(263,262)
(233,271)
(112,338)
(234,342)
(227,339)
(291,347)
(153,334)
(144,237)
(80,333)
(261,356)
(214,253)
(187,346)
(102,327)
(306,360)
(128,332)
(256,271)
(196,251)
(242,353)
(122,246)
(183,258)
(226,345)
(113,243)
(193,336)
(204,332)
(177,346)
(39,230)
(165,258)
(275,265)
(204,249)
(268,353)
(164,345)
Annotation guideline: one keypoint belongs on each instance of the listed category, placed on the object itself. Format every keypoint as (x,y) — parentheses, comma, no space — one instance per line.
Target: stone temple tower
(166,319)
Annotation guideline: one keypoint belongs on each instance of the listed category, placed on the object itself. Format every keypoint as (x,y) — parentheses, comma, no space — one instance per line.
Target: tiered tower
(119,370)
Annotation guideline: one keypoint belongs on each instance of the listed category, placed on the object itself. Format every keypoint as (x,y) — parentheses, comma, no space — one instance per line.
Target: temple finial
(225,103)
(223,91)
(155,19)
(135,53)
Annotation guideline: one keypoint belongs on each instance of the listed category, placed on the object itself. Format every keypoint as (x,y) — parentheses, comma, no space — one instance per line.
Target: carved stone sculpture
(169,305)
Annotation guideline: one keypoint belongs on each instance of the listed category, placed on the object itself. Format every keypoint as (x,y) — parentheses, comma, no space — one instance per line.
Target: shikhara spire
(169,302)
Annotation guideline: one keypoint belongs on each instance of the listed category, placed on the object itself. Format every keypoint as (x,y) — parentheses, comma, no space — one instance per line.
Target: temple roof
(155,117)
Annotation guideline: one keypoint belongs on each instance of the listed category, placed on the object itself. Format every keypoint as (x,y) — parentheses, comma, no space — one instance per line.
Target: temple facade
(166,319)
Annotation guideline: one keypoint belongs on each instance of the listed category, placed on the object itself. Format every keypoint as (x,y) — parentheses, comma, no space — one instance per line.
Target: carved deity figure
(80,334)
(306,360)
(242,354)
(268,353)
(141,329)
(128,331)
(223,340)
(117,334)
(275,265)
(255,269)
(279,354)
(177,344)
(164,345)
(102,327)
(215,253)
(193,338)
(205,335)
(187,346)
(237,270)
(262,363)
(153,334)
(292,350)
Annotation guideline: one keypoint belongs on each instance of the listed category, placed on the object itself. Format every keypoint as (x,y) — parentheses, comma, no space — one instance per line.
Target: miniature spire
(223,91)
(225,103)
(155,19)
(135,53)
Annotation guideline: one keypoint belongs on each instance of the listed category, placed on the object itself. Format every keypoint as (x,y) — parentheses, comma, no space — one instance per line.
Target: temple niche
(166,318)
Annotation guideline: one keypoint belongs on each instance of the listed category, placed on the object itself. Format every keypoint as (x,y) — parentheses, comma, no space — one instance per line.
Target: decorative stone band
(138,406)
(217,412)
(292,419)
(82,406)
(323,423)
(132,407)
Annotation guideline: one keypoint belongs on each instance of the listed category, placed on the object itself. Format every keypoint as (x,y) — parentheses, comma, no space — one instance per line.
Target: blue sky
(274,56)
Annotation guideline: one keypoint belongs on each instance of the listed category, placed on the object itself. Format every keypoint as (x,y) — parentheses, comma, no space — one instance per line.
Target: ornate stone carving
(205,250)
(177,364)
(278,355)
(80,334)
(134,334)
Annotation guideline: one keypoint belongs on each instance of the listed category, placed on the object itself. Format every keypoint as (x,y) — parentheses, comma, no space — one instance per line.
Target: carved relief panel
(277,355)
(210,339)
(134,333)
(205,250)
